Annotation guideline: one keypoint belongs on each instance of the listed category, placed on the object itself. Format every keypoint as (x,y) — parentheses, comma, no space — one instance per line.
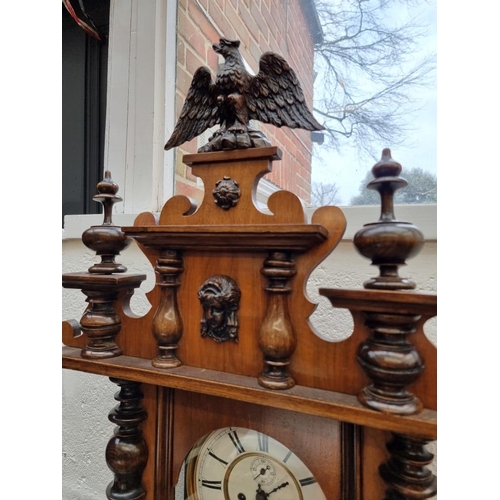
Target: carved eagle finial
(272,96)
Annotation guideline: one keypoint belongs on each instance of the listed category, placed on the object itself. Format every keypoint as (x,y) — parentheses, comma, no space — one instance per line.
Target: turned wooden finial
(388,242)
(107,240)
(101,322)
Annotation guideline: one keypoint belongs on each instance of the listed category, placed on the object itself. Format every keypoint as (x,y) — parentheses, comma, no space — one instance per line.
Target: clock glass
(235,463)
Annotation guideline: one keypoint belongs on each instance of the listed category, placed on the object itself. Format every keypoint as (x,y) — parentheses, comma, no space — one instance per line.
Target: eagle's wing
(275,96)
(200,110)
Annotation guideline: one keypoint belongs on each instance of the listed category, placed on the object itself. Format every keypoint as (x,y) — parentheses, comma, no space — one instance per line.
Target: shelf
(263,237)
(318,402)
(396,302)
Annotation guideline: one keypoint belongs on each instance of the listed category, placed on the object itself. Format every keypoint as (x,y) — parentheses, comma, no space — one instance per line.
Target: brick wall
(261,25)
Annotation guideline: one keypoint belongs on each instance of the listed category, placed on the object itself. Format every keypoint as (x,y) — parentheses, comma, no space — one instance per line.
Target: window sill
(422,216)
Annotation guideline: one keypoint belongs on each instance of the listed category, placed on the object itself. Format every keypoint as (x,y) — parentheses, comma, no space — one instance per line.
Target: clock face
(234,463)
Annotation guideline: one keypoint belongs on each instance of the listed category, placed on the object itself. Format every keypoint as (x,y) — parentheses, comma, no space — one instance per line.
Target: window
(84,82)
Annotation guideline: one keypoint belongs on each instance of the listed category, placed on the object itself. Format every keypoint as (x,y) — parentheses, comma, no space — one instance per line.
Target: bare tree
(324,194)
(367,67)
(421,189)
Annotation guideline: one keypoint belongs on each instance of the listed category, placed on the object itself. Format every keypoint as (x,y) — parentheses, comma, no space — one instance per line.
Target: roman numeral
(236,441)
(288,455)
(213,485)
(263,442)
(307,481)
(223,462)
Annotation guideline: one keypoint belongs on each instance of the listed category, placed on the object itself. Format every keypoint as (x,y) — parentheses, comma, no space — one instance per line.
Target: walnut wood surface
(127,452)
(300,399)
(217,383)
(263,237)
(316,440)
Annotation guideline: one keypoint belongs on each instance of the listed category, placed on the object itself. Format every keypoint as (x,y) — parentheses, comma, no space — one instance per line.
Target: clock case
(360,428)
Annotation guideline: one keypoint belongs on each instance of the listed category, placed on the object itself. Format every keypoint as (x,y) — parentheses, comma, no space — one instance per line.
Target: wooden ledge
(264,237)
(318,402)
(269,153)
(400,302)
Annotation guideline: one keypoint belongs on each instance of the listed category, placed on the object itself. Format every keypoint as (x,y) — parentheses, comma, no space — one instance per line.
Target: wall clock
(234,463)
(342,408)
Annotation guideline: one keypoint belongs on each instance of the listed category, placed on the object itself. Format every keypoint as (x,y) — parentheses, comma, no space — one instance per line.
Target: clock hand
(262,495)
(262,471)
(278,488)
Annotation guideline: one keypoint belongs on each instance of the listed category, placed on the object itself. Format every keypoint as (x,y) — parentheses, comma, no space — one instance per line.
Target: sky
(347,170)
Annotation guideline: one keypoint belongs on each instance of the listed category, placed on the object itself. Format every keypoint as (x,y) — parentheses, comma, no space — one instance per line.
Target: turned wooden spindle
(107,240)
(406,472)
(167,321)
(388,242)
(388,358)
(104,282)
(100,322)
(277,339)
(127,453)
(391,362)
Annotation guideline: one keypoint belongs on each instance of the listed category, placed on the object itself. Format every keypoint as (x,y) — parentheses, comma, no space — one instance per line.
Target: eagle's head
(226,47)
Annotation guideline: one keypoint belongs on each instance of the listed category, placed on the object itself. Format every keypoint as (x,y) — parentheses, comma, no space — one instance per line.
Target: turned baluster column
(406,472)
(277,339)
(391,362)
(127,453)
(167,321)
(387,357)
(104,281)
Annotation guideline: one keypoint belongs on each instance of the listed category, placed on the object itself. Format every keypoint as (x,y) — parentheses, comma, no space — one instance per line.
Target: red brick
(193,62)
(183,81)
(181,52)
(185,188)
(270,21)
(234,19)
(248,21)
(204,24)
(221,21)
(259,19)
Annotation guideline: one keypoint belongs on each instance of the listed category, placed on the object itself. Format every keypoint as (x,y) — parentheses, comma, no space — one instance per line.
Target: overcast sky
(346,170)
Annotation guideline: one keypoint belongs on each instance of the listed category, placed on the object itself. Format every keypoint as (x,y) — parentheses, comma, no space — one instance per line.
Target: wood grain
(299,399)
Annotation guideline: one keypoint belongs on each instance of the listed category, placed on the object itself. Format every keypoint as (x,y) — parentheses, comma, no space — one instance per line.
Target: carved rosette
(226,193)
(406,472)
(167,321)
(127,453)
(277,339)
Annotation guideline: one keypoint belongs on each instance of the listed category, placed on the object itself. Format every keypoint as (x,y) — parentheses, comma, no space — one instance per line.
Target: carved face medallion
(220,297)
